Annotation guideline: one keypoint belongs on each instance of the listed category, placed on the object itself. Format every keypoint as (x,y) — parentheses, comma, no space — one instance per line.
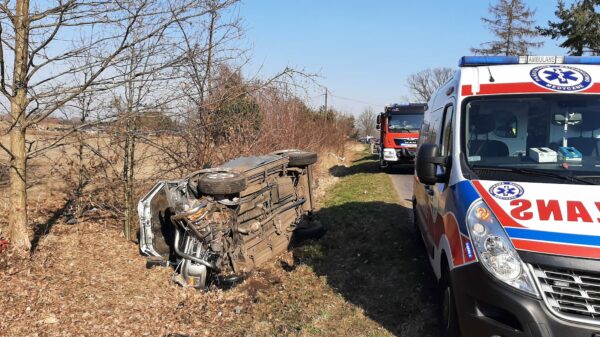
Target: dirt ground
(87,280)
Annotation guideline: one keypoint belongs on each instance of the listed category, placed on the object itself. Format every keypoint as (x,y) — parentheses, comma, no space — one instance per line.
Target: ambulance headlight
(495,250)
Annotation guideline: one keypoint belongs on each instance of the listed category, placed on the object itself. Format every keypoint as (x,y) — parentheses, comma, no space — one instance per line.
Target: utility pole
(325,99)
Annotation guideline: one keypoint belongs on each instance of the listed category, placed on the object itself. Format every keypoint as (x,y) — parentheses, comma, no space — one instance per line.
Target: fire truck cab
(399,127)
(506,196)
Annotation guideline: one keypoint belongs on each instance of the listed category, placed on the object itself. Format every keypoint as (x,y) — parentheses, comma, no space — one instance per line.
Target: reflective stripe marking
(516,88)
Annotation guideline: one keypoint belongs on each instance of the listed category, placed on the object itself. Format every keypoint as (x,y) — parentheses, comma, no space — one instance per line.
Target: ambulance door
(438,193)
(424,193)
(422,204)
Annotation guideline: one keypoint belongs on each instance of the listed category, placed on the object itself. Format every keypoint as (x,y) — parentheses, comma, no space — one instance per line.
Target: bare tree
(367,121)
(36,73)
(145,71)
(206,50)
(424,83)
(512,23)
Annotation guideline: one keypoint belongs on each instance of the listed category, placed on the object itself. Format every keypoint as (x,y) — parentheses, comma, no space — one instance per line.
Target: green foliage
(326,114)
(241,109)
(511,22)
(578,25)
(155,121)
(329,115)
(235,110)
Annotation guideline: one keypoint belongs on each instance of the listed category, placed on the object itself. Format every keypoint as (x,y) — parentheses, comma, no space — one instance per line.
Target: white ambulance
(506,196)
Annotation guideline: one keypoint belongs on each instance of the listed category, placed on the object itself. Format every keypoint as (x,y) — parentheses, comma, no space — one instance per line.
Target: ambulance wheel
(449,320)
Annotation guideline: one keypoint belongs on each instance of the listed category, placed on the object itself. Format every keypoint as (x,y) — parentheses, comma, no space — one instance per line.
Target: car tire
(298,158)
(221,183)
(449,315)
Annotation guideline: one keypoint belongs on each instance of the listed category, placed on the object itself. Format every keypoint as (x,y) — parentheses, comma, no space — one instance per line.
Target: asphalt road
(403,178)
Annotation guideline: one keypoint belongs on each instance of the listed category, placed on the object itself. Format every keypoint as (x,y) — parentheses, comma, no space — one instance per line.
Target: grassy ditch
(366,277)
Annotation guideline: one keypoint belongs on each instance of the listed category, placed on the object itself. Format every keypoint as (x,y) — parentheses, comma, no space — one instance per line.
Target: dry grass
(87,280)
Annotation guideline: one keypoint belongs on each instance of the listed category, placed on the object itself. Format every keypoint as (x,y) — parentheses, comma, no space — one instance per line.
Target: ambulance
(506,196)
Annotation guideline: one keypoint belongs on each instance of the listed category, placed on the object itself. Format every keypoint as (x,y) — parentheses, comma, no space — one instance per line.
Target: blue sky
(364,50)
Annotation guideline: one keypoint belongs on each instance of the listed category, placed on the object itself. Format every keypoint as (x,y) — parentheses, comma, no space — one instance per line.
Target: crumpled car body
(216,225)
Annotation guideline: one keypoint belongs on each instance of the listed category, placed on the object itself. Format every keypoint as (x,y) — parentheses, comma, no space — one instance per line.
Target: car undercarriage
(216,225)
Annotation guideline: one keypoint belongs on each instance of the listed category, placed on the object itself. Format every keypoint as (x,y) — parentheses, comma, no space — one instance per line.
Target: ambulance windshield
(545,133)
(405,123)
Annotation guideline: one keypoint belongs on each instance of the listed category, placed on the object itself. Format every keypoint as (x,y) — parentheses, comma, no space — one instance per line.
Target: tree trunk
(126,196)
(129,178)
(205,85)
(81,180)
(18,108)
(17,229)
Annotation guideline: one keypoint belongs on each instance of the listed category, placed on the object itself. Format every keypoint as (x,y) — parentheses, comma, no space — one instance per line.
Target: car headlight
(495,250)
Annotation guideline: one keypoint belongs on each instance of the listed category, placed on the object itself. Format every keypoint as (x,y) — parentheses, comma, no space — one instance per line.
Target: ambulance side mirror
(378,126)
(427,163)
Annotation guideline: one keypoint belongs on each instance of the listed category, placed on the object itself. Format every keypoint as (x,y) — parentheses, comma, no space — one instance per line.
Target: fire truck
(399,127)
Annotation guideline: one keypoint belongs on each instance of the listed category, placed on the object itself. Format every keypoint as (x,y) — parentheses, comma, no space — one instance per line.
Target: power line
(355,100)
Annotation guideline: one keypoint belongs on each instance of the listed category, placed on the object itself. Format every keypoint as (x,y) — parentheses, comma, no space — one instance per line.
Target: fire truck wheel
(383,165)
(449,326)
(222,183)
(298,158)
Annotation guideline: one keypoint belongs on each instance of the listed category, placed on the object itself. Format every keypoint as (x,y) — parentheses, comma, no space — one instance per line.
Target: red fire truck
(399,127)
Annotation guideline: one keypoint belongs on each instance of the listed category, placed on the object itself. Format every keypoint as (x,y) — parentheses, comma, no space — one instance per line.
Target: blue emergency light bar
(404,104)
(474,61)
(406,108)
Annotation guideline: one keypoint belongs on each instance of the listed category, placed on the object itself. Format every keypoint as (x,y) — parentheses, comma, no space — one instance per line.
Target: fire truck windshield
(405,123)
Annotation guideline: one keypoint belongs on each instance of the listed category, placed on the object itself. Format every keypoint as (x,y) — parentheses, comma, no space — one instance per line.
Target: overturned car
(216,225)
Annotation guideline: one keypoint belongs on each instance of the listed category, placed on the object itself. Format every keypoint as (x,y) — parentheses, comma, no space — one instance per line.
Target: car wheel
(449,315)
(298,158)
(221,183)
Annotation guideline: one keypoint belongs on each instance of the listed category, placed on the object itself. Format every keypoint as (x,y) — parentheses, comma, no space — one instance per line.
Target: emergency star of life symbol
(560,78)
(506,190)
(563,76)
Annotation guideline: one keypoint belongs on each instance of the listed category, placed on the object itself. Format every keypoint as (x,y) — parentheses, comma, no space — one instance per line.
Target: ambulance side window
(435,127)
(446,140)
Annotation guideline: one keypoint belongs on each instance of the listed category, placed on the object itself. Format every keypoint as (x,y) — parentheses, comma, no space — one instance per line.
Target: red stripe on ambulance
(515,88)
(557,248)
